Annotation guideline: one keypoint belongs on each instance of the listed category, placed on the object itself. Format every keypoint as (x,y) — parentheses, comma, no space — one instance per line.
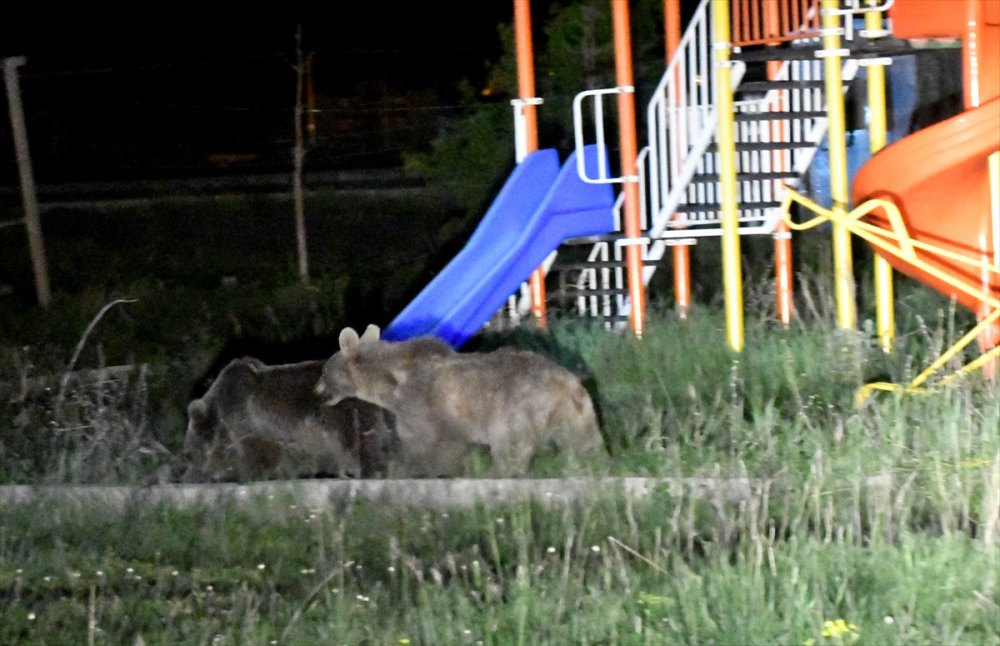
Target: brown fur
(259,421)
(513,401)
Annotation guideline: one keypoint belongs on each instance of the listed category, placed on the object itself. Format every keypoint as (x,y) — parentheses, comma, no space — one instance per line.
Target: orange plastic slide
(939,177)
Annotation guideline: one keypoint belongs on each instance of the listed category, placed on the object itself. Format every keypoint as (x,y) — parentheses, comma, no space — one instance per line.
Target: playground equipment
(700,185)
(718,167)
(538,207)
(930,204)
(751,91)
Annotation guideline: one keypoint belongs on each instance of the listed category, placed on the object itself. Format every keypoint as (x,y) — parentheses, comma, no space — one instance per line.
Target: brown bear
(259,421)
(512,401)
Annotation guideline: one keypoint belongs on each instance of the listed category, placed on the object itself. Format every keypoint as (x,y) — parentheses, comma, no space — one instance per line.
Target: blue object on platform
(538,208)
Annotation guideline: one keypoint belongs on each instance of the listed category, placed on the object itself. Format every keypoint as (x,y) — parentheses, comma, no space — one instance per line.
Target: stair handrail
(681,130)
(676,148)
(603,176)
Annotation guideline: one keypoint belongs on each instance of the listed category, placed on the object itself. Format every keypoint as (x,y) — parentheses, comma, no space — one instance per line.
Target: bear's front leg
(430,453)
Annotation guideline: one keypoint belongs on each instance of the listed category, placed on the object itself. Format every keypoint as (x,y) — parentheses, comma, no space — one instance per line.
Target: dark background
(171,94)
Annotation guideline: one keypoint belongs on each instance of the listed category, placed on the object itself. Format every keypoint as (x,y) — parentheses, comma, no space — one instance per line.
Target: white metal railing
(797,129)
(682,124)
(604,278)
(603,176)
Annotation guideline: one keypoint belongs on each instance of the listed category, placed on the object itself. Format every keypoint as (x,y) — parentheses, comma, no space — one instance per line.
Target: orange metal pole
(682,253)
(629,151)
(783,270)
(741,19)
(783,273)
(526,90)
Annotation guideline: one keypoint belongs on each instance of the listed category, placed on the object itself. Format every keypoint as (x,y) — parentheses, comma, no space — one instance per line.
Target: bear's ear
(372,333)
(253,363)
(348,341)
(198,411)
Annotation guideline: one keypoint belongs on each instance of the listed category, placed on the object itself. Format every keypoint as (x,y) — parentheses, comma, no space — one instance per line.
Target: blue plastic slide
(538,207)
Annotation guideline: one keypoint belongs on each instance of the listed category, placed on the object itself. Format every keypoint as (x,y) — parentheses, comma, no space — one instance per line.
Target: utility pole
(32,222)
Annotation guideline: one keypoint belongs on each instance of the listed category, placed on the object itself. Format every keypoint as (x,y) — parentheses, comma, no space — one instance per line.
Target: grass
(875,524)
(824,558)
(670,570)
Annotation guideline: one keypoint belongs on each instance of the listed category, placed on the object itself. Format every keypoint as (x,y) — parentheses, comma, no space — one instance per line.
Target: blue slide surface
(538,207)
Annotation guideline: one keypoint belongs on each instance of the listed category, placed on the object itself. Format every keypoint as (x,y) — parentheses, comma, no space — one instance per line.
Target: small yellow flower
(838,631)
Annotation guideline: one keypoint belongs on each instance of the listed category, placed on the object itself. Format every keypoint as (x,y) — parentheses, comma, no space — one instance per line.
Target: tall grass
(873,525)
(673,569)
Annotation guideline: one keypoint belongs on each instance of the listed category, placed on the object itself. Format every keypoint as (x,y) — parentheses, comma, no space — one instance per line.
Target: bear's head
(372,370)
(353,371)
(209,416)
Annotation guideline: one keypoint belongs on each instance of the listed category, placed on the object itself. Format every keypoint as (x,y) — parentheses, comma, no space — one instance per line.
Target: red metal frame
(769,22)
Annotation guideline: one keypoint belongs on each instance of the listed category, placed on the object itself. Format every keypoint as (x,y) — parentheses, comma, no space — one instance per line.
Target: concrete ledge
(459,492)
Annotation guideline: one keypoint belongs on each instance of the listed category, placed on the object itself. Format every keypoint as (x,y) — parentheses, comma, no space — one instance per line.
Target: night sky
(375,29)
(162,88)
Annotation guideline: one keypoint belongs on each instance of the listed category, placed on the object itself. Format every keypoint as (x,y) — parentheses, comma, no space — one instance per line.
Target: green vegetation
(672,570)
(573,51)
(873,525)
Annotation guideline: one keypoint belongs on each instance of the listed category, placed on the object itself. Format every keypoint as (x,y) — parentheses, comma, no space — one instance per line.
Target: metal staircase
(780,124)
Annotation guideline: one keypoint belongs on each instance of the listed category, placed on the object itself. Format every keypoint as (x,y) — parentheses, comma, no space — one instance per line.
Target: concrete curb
(441,493)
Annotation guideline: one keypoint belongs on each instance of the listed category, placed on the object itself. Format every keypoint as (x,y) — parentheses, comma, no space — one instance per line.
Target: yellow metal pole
(885,319)
(843,270)
(732,277)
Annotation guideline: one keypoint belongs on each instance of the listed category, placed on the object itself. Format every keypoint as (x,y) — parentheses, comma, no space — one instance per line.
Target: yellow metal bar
(732,276)
(980,363)
(885,318)
(916,386)
(897,242)
(947,355)
(837,137)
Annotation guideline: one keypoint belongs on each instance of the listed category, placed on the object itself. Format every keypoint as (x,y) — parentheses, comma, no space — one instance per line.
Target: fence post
(32,221)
